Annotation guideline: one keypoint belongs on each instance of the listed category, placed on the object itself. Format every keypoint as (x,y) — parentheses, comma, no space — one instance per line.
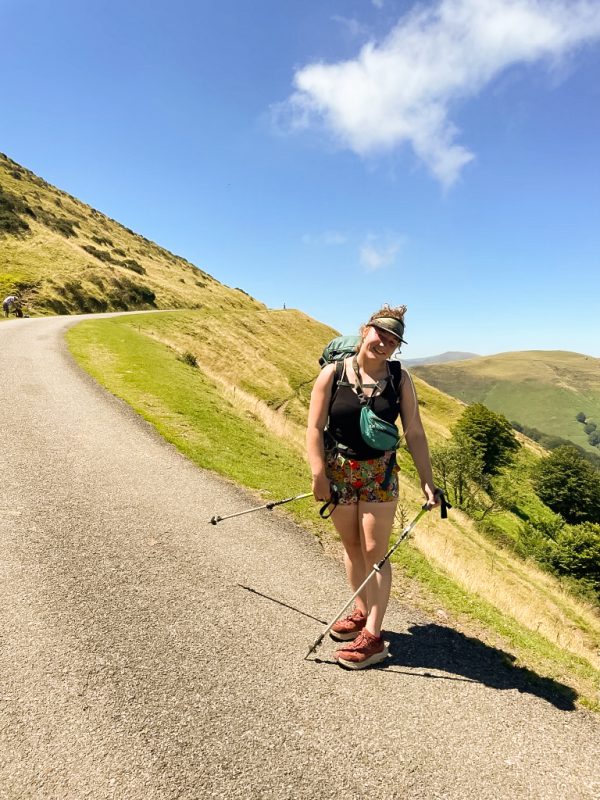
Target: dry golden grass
(518,589)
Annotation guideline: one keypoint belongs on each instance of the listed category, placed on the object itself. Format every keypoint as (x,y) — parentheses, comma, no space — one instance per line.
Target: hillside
(65,257)
(541,389)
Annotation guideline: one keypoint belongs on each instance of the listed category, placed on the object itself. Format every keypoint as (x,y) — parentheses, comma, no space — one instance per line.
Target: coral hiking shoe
(364,651)
(348,628)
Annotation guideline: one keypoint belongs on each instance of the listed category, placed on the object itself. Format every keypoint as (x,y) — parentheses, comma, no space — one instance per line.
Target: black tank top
(344,417)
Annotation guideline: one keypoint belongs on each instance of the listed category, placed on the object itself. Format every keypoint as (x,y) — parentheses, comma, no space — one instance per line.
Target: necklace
(360,386)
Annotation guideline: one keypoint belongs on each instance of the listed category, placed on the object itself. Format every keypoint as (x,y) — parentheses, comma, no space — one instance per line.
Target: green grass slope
(65,257)
(540,389)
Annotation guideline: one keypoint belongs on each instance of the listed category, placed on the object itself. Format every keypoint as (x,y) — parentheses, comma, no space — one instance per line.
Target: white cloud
(377,3)
(401,90)
(375,254)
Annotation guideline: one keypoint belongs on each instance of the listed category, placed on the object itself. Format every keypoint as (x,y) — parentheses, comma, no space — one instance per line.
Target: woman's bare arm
(318,413)
(416,440)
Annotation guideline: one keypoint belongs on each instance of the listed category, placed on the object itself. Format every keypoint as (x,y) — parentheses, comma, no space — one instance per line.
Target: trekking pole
(325,511)
(216,518)
(377,567)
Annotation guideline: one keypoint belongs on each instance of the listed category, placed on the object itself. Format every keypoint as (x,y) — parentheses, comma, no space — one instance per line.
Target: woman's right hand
(321,487)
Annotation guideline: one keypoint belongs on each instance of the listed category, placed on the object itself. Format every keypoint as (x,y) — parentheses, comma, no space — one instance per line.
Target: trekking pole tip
(314,646)
(214,520)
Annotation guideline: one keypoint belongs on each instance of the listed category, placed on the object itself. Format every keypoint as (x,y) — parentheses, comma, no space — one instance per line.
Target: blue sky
(333,155)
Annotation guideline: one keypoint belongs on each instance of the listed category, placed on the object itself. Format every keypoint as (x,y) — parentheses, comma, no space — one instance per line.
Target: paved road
(146,654)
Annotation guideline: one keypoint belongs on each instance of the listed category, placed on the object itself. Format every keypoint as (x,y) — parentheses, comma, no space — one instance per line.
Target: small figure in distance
(13,301)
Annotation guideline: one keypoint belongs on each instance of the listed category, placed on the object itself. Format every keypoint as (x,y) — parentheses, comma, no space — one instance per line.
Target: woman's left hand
(432,497)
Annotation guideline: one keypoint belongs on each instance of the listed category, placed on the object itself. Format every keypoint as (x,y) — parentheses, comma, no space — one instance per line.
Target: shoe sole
(344,637)
(376,658)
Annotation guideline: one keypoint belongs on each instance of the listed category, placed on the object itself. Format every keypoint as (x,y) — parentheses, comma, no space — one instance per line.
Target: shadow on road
(441,648)
(281,603)
(464,657)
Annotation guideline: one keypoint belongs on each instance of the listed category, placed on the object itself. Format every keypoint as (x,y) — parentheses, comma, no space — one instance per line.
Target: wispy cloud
(376,253)
(401,90)
(327,237)
(352,26)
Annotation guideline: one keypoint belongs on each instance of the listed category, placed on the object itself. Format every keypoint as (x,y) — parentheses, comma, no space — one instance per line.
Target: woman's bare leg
(376,520)
(345,519)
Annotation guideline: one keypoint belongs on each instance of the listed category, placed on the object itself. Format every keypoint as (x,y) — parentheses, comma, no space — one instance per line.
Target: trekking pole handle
(333,502)
(444,504)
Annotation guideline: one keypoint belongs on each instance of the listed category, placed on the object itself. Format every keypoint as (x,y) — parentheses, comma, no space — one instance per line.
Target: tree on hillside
(581,417)
(594,438)
(458,470)
(569,485)
(491,435)
(577,552)
(590,427)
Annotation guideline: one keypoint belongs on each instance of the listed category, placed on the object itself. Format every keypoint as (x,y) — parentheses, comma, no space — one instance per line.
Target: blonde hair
(396,312)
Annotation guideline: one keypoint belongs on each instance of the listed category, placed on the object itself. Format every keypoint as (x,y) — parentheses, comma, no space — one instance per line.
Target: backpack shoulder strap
(396,373)
(337,379)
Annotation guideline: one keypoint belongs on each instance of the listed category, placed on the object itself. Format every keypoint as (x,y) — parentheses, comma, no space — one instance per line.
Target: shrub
(101,255)
(126,294)
(577,552)
(590,427)
(11,208)
(102,240)
(56,305)
(189,358)
(61,225)
(581,417)
(97,280)
(133,265)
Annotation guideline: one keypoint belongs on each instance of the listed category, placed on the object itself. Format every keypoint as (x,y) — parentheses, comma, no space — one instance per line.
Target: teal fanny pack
(376,432)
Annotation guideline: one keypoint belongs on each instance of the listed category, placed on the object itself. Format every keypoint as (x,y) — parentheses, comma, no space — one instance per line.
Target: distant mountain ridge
(442,358)
(543,389)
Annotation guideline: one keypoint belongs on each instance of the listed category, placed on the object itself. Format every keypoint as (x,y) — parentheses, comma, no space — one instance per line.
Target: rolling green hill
(65,257)
(538,388)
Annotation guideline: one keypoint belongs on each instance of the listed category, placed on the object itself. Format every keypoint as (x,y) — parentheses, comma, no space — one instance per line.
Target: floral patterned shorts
(361,480)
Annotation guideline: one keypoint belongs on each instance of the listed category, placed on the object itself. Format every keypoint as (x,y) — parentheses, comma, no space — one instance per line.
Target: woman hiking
(362,477)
